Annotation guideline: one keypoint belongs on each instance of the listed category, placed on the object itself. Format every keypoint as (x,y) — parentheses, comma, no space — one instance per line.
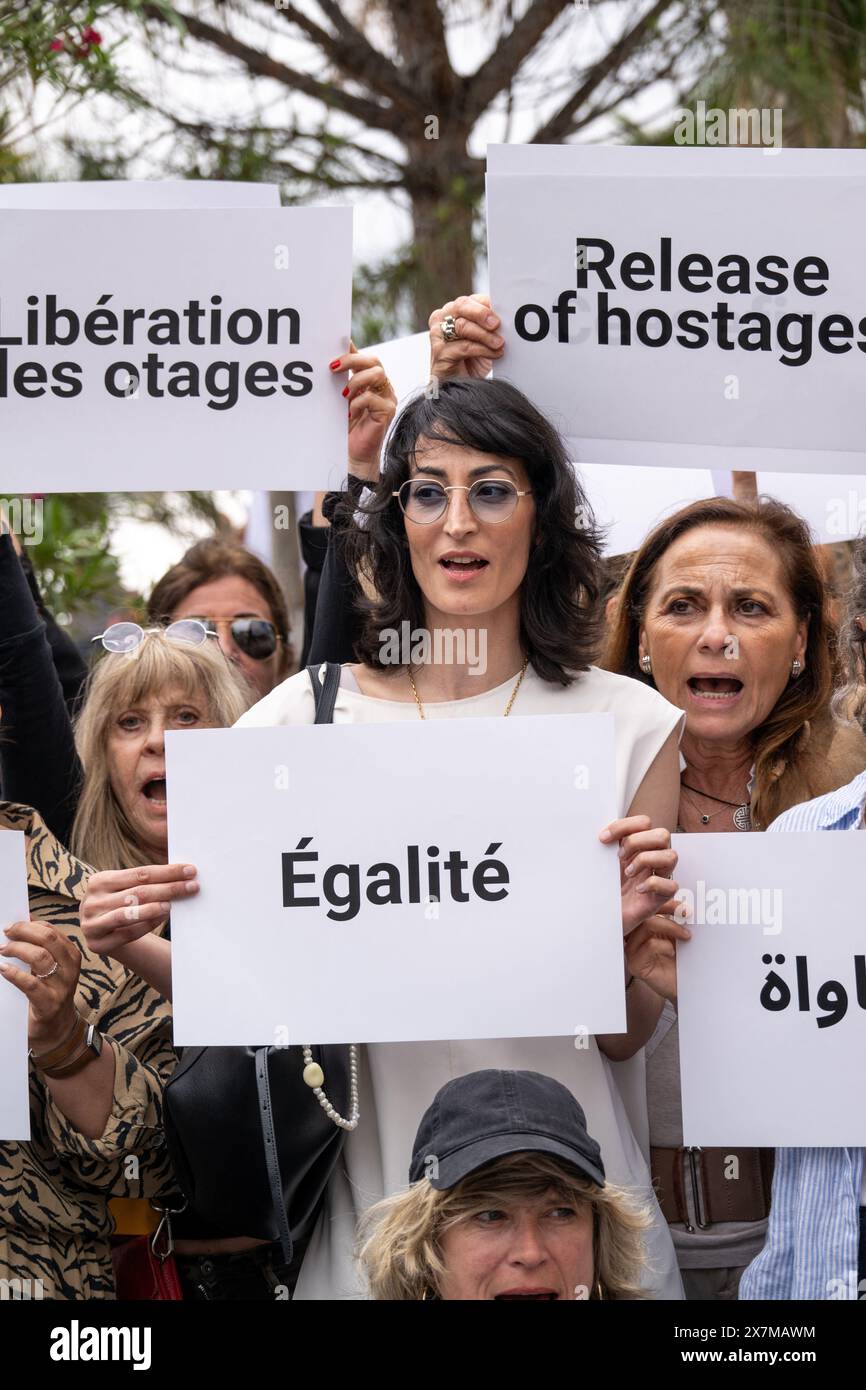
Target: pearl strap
(315,1078)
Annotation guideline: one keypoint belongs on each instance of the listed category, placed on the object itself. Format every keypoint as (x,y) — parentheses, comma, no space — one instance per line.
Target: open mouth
(720,688)
(463,566)
(534,1296)
(154,790)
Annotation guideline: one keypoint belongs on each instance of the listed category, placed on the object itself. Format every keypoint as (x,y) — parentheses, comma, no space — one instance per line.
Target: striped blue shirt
(813,1234)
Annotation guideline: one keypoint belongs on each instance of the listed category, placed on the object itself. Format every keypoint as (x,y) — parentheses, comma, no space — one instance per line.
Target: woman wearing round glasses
(472,530)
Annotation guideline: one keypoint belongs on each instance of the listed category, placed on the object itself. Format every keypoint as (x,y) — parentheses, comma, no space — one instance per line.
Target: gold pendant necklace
(511,700)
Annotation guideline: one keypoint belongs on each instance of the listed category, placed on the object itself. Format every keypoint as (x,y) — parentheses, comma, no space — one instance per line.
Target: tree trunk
(444,188)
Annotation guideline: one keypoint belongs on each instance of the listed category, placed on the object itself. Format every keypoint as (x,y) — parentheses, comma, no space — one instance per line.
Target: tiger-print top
(54,1191)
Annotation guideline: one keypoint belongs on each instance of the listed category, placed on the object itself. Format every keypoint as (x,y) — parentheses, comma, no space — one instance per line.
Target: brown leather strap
(666,1171)
(68,1049)
(83,1058)
(724,1184)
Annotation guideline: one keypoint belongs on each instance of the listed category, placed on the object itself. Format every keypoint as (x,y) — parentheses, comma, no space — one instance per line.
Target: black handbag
(251,1147)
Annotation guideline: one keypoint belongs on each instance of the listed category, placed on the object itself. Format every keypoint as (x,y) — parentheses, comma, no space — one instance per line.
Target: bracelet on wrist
(90,1049)
(67,1067)
(64,1049)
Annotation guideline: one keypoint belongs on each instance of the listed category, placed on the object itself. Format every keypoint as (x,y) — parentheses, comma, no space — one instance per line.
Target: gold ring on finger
(449,328)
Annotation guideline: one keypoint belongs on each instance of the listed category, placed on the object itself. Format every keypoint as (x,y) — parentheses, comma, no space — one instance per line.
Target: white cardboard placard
(252,964)
(647,375)
(197,348)
(772,990)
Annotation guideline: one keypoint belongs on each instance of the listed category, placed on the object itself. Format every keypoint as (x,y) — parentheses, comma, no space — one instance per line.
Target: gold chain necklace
(511,700)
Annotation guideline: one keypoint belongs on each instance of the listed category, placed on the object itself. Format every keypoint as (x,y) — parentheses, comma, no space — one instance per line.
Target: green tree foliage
(73,559)
(808,59)
(804,59)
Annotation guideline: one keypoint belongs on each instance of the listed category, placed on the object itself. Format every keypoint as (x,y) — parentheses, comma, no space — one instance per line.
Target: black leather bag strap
(272,1159)
(325,691)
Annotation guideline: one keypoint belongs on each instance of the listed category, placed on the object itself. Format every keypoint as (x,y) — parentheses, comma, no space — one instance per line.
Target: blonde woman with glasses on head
(100,1036)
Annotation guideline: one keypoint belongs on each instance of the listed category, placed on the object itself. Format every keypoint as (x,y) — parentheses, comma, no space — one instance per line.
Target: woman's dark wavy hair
(559,617)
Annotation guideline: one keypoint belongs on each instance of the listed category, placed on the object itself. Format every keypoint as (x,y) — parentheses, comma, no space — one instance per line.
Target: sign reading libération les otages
(430,904)
(668,310)
(173,349)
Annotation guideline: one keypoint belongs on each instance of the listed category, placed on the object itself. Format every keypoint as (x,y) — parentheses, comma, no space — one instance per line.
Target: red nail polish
(335,364)
(345,390)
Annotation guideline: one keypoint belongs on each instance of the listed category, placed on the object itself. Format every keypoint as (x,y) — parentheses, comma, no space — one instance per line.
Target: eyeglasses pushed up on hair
(124,638)
(492,499)
(255,637)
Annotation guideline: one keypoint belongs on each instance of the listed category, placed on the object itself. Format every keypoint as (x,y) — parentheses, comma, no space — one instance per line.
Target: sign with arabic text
(772,989)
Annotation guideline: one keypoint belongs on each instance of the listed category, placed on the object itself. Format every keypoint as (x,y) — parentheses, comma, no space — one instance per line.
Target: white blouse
(399,1080)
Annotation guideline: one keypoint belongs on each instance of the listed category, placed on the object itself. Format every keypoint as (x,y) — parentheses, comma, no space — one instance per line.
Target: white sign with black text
(715,322)
(182,349)
(436,880)
(772,989)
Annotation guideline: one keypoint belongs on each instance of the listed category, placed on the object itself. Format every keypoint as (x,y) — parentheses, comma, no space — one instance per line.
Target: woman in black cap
(508,1202)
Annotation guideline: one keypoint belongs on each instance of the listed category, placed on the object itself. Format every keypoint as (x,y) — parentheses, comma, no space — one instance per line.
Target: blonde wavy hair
(400,1238)
(101,833)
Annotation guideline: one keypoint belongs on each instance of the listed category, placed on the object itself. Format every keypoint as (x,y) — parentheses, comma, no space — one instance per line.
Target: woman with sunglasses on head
(471,530)
(229,589)
(136,696)
(100,1037)
(154,680)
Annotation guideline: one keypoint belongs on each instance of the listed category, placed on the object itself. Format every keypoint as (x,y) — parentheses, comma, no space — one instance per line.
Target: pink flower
(56,46)
(91,36)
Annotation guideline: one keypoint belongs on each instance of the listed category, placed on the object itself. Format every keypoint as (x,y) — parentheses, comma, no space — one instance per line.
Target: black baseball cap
(488,1114)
